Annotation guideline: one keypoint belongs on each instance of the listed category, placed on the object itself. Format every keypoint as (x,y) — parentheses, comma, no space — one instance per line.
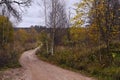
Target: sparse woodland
(91,44)
(88,43)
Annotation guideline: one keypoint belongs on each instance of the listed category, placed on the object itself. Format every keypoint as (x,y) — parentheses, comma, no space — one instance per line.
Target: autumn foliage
(94,45)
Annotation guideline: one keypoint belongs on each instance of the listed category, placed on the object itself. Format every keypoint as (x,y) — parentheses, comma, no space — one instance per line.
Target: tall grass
(94,61)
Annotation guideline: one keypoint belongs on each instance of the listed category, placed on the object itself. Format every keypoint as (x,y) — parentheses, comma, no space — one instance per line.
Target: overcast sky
(35,15)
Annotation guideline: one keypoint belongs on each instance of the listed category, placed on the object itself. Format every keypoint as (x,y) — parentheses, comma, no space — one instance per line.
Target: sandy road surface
(39,70)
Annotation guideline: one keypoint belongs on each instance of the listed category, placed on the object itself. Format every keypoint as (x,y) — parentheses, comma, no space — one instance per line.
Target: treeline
(9,54)
(6,41)
(13,41)
(91,44)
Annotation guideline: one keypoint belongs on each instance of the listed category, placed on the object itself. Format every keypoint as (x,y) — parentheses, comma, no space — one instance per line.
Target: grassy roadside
(49,60)
(12,59)
(63,66)
(86,64)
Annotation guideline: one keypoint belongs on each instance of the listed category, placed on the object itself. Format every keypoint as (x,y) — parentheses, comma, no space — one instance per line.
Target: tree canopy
(6,31)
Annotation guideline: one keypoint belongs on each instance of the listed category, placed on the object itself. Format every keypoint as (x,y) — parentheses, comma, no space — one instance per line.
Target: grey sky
(35,14)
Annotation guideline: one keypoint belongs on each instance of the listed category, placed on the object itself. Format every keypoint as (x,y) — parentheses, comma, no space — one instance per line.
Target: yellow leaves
(21,35)
(77,24)
(81,4)
(78,16)
(77,20)
(77,33)
(6,31)
(93,32)
(2,19)
(82,11)
(84,3)
(5,21)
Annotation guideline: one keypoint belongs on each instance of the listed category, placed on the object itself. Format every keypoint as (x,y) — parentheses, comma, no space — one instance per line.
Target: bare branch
(13,10)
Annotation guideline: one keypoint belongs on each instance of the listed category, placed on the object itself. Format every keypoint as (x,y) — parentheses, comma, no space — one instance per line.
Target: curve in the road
(40,70)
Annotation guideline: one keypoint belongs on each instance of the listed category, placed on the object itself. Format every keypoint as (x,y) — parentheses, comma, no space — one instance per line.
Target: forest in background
(89,42)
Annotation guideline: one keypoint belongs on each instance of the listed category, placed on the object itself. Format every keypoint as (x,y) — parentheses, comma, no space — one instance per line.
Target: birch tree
(103,20)
(57,22)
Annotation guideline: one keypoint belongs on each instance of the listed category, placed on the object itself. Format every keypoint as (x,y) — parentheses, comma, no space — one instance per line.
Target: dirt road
(39,70)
